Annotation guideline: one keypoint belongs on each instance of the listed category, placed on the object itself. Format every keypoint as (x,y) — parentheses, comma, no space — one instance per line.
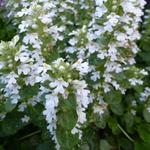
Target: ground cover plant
(74,75)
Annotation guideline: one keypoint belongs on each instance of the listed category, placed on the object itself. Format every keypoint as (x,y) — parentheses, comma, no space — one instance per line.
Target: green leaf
(85,147)
(144,131)
(70,103)
(113,124)
(66,139)
(129,119)
(99,121)
(1,147)
(9,106)
(45,146)
(67,117)
(28,92)
(113,97)
(139,145)
(11,124)
(125,143)
(36,115)
(104,145)
(146,115)
(117,109)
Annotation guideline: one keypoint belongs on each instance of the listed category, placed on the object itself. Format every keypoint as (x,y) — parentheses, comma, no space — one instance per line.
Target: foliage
(69,79)
(7,30)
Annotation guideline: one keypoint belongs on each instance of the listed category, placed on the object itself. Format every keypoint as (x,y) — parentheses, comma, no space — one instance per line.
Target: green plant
(70,73)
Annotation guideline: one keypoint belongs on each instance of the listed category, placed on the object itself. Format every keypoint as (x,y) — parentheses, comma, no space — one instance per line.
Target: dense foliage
(69,78)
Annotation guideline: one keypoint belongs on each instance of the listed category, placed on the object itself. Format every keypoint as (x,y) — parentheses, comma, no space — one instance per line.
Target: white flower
(14,41)
(100,2)
(81,114)
(92,47)
(32,38)
(148,109)
(134,103)
(112,52)
(121,37)
(2,64)
(2,116)
(144,95)
(22,56)
(144,72)
(135,81)
(50,113)
(24,68)
(55,31)
(83,68)
(108,27)
(70,50)
(113,67)
(47,18)
(23,12)
(102,54)
(100,11)
(131,61)
(82,95)
(99,109)
(59,86)
(22,107)
(113,19)
(133,112)
(24,25)
(25,119)
(106,88)
(95,76)
(12,88)
(73,41)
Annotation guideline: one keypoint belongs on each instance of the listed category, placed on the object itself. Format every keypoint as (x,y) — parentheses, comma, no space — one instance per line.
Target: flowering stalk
(63,51)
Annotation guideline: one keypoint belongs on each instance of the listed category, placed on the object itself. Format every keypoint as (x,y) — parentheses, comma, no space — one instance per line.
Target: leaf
(66,139)
(36,115)
(1,147)
(44,146)
(70,103)
(145,57)
(146,115)
(113,124)
(125,143)
(117,109)
(85,147)
(139,145)
(129,119)
(113,97)
(28,92)
(67,117)
(99,121)
(93,60)
(9,106)
(11,124)
(144,132)
(104,145)
(66,121)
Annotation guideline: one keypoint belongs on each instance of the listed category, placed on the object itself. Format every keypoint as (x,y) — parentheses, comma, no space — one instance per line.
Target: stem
(29,135)
(125,133)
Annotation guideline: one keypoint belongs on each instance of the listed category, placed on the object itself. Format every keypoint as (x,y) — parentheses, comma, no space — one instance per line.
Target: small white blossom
(59,86)
(83,68)
(95,76)
(25,119)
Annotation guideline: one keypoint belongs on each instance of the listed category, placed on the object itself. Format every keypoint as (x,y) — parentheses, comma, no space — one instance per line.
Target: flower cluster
(85,48)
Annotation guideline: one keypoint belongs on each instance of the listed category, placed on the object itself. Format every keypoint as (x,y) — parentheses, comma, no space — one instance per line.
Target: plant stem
(125,133)
(29,135)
